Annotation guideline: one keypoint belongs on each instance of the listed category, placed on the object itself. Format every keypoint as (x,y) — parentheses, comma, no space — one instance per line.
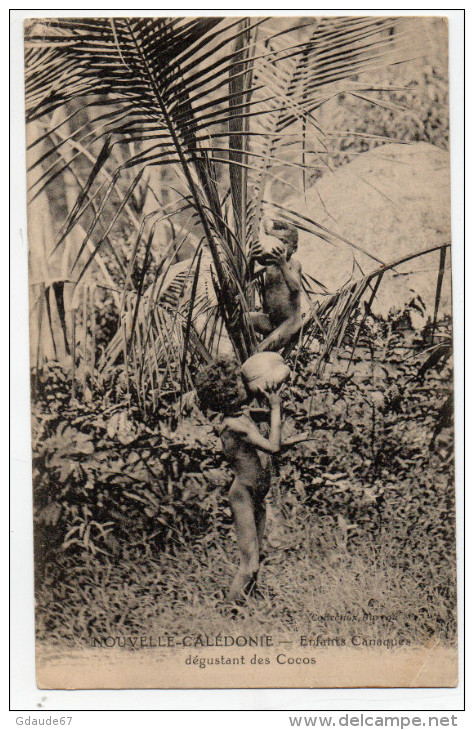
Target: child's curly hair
(285,231)
(217,385)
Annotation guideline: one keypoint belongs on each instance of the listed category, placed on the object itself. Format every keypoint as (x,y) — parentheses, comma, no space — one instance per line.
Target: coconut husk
(265,370)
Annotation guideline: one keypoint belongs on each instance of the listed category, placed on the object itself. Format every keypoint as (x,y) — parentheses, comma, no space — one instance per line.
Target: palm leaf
(331,317)
(218,100)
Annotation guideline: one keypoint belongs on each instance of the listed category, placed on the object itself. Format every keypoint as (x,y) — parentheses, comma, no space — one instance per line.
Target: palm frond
(219,105)
(329,318)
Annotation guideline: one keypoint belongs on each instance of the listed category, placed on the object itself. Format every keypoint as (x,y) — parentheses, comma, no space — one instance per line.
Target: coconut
(265,370)
(271,249)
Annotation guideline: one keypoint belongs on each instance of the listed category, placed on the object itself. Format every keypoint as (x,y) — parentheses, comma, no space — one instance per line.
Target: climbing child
(281,317)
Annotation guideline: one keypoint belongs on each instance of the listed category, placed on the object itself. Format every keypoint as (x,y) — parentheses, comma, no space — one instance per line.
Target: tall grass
(304,590)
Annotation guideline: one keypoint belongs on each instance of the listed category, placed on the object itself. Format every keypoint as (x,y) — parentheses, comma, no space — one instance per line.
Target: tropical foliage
(167,135)
(155,148)
(133,524)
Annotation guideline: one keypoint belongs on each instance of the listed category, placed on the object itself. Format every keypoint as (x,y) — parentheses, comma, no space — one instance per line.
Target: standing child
(221,388)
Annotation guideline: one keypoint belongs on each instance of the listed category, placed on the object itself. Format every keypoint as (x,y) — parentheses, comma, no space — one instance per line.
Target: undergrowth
(305,590)
(133,532)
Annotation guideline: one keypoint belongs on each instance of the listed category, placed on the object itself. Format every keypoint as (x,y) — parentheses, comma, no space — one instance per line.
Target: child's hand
(265,257)
(278,254)
(272,394)
(273,398)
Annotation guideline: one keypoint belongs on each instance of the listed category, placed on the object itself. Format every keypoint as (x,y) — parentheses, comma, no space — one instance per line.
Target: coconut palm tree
(199,117)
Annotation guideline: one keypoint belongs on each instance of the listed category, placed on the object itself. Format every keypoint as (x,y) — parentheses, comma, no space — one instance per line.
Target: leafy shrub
(110,488)
(103,481)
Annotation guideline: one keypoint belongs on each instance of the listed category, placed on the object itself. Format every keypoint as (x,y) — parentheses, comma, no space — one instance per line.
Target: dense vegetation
(122,506)
(144,271)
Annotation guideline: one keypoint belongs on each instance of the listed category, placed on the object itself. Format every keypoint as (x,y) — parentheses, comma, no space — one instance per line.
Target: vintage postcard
(241,352)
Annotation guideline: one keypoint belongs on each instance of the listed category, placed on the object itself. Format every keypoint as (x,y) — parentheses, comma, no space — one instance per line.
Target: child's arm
(251,435)
(291,276)
(293,440)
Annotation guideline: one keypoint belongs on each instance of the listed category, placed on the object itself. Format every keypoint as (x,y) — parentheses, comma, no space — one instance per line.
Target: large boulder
(391,201)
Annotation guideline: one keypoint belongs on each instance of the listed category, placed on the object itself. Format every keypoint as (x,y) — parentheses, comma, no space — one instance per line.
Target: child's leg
(260,519)
(242,506)
(282,335)
(261,322)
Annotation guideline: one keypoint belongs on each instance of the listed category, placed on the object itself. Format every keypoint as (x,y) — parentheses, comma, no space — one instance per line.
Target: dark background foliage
(132,526)
(110,490)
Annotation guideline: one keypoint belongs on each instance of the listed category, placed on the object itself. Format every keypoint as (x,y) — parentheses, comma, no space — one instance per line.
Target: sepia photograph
(241,352)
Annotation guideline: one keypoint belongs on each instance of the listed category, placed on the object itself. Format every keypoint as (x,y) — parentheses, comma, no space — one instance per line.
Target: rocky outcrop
(391,201)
